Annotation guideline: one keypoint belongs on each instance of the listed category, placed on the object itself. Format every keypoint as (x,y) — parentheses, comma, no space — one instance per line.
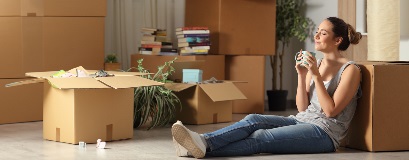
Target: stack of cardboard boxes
(40,35)
(242,33)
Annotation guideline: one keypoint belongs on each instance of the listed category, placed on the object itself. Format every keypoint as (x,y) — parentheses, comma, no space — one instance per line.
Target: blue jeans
(267,134)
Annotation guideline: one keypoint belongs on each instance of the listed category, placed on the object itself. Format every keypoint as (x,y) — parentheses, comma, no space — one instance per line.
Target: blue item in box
(192,75)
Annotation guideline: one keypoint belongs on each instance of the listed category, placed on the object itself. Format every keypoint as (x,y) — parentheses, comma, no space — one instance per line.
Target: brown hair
(346,31)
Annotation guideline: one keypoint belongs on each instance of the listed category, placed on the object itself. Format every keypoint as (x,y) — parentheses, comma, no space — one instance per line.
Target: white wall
(404,30)
(317,11)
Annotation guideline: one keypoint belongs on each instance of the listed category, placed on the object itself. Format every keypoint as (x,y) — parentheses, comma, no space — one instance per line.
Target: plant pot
(277,100)
(112,66)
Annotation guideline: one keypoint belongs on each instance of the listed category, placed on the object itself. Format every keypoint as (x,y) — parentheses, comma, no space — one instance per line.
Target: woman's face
(324,38)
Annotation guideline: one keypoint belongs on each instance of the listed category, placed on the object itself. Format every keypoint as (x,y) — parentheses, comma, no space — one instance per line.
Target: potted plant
(289,23)
(111,63)
(156,104)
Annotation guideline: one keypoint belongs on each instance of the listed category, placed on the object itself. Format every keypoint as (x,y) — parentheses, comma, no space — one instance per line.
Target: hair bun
(354,37)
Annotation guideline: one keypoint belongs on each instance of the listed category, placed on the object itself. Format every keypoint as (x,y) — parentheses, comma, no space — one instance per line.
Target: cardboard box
(237,27)
(34,44)
(88,108)
(252,70)
(211,65)
(20,104)
(205,103)
(53,8)
(382,117)
(192,75)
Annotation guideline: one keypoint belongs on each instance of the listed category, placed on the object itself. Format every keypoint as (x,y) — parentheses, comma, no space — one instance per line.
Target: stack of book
(155,42)
(193,40)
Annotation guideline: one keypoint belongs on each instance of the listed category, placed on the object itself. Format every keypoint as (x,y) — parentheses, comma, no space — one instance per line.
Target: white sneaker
(190,140)
(180,150)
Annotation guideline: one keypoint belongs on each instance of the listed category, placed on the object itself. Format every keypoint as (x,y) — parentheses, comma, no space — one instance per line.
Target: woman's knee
(252,117)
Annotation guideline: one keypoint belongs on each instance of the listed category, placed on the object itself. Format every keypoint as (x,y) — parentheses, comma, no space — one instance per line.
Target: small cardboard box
(205,103)
(381,120)
(192,75)
(211,65)
(88,108)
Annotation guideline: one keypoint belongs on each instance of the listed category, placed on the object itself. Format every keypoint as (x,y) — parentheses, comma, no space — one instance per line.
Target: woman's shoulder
(351,70)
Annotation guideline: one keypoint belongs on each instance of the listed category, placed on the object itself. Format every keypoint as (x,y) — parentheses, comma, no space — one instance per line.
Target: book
(193,32)
(192,28)
(151,42)
(150,38)
(168,51)
(150,51)
(160,33)
(150,46)
(187,44)
(192,35)
(162,39)
(196,47)
(194,39)
(198,52)
(194,51)
(148,29)
(159,49)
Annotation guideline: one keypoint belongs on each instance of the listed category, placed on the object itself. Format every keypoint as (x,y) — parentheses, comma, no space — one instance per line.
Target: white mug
(303,60)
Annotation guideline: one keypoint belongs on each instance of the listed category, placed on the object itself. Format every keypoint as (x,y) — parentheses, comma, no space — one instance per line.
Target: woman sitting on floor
(326,99)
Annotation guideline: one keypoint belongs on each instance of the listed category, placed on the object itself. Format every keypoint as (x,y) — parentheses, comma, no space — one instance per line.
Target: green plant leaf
(290,23)
(155,103)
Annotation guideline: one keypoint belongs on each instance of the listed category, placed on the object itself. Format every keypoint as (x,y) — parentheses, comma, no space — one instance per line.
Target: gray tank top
(335,127)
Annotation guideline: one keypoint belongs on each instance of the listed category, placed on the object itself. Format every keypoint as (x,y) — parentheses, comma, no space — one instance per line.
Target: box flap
(39,80)
(177,87)
(117,73)
(230,81)
(79,68)
(120,73)
(47,74)
(127,81)
(74,82)
(222,91)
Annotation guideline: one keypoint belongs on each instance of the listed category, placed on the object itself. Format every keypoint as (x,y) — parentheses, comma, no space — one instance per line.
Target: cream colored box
(88,108)
(205,103)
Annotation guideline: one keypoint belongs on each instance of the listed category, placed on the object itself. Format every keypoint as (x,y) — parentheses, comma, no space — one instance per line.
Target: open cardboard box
(88,108)
(205,103)
(212,65)
(381,120)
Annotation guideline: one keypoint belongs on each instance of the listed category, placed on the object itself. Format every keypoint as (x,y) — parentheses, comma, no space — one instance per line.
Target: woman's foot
(180,150)
(189,140)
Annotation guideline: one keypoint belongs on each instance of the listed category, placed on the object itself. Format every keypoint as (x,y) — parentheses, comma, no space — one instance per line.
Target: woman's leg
(300,138)
(244,128)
